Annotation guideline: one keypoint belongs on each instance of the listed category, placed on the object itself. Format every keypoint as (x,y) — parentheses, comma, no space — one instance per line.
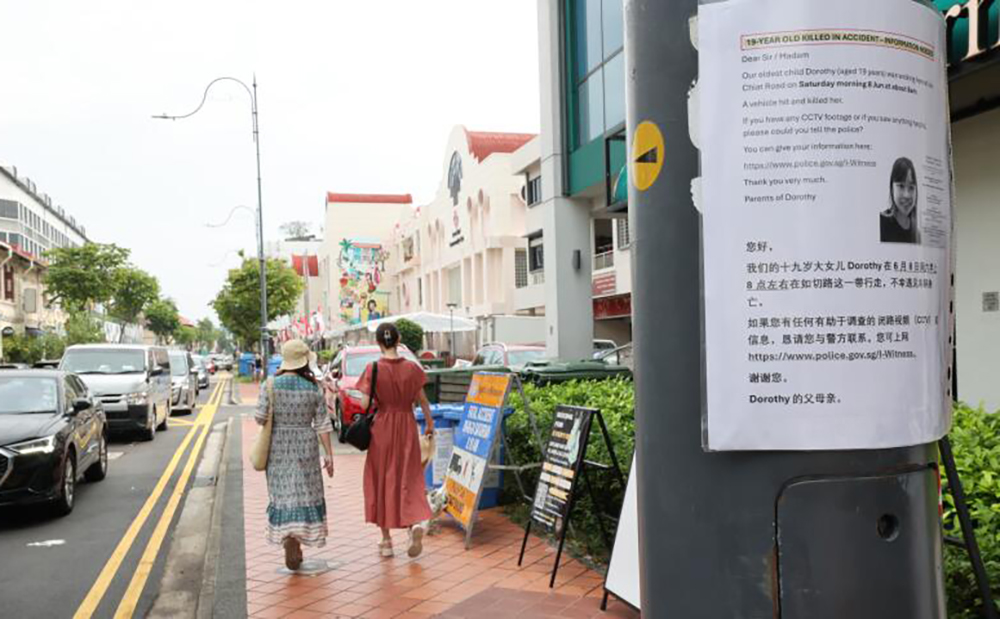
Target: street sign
(647,155)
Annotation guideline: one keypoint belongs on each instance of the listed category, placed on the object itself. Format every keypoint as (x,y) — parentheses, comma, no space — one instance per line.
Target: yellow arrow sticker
(647,155)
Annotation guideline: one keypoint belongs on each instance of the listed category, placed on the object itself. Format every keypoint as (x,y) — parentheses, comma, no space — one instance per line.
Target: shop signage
(613,307)
(827,216)
(561,468)
(604,285)
(473,445)
(973,28)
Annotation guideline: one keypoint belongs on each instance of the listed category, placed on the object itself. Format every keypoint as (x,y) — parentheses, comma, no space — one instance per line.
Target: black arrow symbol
(650,156)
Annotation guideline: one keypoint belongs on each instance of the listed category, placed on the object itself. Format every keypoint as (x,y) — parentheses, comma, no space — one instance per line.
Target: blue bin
(493,485)
(246,364)
(273,364)
(444,431)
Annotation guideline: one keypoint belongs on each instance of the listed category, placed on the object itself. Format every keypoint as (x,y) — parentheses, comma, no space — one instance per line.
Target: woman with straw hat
(296,510)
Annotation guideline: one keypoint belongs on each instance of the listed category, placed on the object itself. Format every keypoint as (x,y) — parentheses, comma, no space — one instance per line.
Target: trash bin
(246,364)
(444,439)
(493,484)
(273,364)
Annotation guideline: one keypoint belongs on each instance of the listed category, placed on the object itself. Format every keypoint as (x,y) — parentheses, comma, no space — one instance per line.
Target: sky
(352,97)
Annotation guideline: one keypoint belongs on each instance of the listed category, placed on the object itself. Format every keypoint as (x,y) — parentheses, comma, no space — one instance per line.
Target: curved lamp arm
(204,98)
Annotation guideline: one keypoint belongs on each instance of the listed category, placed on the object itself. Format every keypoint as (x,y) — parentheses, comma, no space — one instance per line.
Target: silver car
(183,381)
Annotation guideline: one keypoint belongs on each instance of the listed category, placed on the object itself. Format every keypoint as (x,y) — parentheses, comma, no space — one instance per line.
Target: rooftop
(482,144)
(370,198)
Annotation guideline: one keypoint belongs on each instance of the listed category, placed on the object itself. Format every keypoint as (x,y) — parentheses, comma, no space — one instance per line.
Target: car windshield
(524,357)
(178,365)
(357,362)
(28,395)
(104,361)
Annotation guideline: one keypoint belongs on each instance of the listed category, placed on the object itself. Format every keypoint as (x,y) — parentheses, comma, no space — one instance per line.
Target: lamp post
(451,320)
(252,93)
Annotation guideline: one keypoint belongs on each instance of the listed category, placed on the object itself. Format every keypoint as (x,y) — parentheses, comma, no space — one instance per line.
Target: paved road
(88,564)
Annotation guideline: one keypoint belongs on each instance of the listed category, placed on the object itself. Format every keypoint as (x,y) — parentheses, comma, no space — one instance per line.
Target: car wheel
(99,469)
(163,424)
(67,487)
(338,422)
(149,432)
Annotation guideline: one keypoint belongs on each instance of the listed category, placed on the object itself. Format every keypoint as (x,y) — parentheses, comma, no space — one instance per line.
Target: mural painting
(362,266)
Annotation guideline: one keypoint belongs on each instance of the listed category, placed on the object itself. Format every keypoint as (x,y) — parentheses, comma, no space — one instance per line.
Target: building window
(534,190)
(420,292)
(536,254)
(455,286)
(408,249)
(8,283)
(520,268)
(624,234)
(8,209)
(595,37)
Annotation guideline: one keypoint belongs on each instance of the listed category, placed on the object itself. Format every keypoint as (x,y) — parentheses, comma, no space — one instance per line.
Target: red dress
(395,495)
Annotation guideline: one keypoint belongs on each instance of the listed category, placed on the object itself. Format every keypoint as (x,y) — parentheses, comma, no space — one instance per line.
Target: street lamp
(451,315)
(260,209)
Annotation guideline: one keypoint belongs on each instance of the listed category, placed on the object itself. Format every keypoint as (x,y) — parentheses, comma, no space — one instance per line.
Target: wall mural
(362,265)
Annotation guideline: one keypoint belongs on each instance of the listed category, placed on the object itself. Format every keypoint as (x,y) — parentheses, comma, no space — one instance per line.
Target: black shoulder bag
(359,433)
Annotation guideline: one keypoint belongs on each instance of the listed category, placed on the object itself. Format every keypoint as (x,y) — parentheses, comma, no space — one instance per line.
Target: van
(131,381)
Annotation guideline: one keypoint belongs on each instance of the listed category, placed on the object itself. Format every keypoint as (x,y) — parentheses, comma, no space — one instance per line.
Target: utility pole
(752,534)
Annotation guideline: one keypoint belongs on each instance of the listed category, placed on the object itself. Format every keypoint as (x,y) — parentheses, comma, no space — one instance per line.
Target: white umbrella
(431,323)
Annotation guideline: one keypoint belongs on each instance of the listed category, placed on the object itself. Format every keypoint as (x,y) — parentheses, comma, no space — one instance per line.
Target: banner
(827,217)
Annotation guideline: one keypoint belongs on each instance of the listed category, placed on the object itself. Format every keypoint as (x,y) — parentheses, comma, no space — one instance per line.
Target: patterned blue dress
(297,507)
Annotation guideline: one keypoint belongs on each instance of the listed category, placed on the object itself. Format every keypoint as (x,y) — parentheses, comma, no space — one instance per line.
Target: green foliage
(975,441)
(186,336)
(79,276)
(325,356)
(31,349)
(162,319)
(81,328)
(206,334)
(410,334)
(134,291)
(615,399)
(238,303)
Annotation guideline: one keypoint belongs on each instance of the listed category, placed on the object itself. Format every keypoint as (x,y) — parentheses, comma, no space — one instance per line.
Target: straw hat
(295,354)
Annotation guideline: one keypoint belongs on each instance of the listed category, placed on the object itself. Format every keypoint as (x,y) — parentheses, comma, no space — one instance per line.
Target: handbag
(262,444)
(359,433)
(427,449)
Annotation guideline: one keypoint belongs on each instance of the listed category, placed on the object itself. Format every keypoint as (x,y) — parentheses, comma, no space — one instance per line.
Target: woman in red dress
(395,497)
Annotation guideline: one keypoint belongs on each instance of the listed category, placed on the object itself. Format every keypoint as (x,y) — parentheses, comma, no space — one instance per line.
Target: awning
(431,323)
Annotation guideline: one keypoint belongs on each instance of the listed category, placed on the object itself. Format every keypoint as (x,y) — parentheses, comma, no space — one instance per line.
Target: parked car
(343,400)
(14,366)
(513,356)
(52,435)
(222,362)
(183,381)
(618,356)
(602,346)
(132,382)
(203,375)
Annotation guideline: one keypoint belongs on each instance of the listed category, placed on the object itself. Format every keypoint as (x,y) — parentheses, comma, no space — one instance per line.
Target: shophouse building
(30,225)
(464,253)
(352,262)
(301,255)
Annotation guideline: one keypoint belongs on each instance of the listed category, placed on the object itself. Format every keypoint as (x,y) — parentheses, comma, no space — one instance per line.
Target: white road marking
(49,543)
(114,455)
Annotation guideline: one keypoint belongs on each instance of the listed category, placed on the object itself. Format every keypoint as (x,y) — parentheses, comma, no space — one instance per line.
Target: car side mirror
(157,371)
(80,405)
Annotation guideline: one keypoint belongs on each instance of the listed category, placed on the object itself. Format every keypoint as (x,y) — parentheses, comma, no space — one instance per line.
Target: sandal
(293,553)
(385,548)
(416,541)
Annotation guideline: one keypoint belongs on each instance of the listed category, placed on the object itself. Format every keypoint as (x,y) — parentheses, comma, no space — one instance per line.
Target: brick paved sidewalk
(445,581)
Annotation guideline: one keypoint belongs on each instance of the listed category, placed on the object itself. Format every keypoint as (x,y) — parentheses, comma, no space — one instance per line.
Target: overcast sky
(353,97)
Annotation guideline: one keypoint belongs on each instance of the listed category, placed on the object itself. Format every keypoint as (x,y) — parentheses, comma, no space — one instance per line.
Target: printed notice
(827,217)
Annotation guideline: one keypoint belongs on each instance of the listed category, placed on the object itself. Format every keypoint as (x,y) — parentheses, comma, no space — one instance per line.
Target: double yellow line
(198,433)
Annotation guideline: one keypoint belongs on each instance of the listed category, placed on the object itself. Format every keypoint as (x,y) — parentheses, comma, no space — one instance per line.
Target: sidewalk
(445,581)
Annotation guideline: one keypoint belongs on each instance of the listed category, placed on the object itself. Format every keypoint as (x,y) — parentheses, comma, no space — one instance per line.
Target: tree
(238,303)
(295,230)
(410,334)
(186,336)
(81,328)
(134,291)
(206,334)
(79,276)
(162,319)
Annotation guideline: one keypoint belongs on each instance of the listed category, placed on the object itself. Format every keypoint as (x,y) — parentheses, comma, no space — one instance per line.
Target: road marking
(96,593)
(181,422)
(49,543)
(114,455)
(131,598)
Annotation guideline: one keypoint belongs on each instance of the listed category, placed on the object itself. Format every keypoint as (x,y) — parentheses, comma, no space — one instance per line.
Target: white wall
(977,269)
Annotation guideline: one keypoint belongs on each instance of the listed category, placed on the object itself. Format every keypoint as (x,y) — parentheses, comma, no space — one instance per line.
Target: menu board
(562,466)
(474,443)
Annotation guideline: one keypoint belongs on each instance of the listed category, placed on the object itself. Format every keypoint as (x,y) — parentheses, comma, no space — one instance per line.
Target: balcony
(604,260)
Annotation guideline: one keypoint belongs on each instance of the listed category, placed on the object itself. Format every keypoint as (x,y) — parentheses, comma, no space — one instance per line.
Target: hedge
(975,438)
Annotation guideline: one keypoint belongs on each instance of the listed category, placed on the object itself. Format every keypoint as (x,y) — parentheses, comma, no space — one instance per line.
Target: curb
(192,558)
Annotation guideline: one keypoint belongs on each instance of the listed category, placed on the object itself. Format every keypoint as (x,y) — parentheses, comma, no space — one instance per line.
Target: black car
(51,435)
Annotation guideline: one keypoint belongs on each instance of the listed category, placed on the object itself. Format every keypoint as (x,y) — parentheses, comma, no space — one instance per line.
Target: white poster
(623,570)
(826,203)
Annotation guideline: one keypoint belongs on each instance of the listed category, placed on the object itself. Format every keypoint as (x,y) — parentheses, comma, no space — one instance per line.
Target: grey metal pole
(745,534)
(260,236)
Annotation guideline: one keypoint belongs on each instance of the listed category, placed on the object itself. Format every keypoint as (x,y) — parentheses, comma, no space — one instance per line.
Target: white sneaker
(385,549)
(416,541)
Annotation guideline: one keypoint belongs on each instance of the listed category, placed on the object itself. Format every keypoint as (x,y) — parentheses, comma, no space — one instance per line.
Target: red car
(343,400)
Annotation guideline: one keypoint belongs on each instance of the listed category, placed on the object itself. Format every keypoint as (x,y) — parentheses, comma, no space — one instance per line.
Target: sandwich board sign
(561,468)
(623,569)
(475,439)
